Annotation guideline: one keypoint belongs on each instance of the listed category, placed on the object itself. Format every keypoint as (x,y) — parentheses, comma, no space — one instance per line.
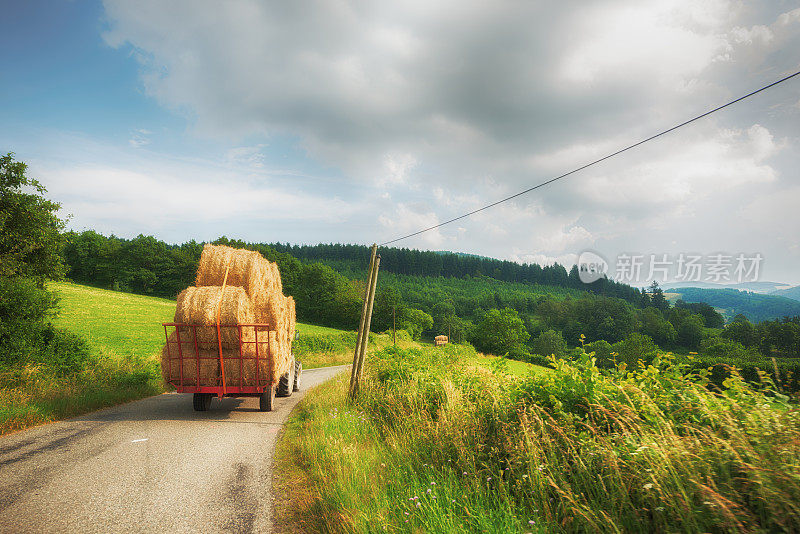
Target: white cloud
(407,219)
(453,105)
(655,44)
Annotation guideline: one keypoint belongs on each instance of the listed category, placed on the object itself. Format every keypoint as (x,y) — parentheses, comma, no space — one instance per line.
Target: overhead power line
(629,147)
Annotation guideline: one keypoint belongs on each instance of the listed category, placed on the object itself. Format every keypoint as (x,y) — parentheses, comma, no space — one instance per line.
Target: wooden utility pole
(365,337)
(366,319)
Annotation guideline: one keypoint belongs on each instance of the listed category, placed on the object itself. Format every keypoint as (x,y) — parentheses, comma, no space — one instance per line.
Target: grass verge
(436,444)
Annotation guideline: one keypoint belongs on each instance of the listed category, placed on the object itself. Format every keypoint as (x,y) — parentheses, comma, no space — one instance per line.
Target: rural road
(153,465)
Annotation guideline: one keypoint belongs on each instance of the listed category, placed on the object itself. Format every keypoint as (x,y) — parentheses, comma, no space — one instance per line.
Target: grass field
(513,367)
(435,443)
(120,323)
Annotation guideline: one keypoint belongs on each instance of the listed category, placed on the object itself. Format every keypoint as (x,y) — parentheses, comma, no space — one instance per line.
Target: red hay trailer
(204,393)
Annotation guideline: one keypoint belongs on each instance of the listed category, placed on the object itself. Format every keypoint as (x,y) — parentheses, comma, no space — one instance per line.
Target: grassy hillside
(122,323)
(435,444)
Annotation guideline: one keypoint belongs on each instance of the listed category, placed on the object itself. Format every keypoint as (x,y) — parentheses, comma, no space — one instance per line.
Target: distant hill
(755,287)
(730,302)
(791,293)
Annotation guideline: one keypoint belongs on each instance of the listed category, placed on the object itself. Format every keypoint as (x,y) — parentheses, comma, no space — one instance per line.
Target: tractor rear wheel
(298,370)
(286,382)
(202,401)
(267,400)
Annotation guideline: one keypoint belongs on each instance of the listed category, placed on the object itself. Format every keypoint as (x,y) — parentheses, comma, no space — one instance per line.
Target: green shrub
(603,353)
(325,343)
(402,335)
(499,332)
(735,351)
(550,342)
(634,348)
(520,354)
(751,369)
(63,351)
(25,309)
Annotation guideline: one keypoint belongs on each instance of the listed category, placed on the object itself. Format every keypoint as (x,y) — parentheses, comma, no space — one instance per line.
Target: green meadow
(436,443)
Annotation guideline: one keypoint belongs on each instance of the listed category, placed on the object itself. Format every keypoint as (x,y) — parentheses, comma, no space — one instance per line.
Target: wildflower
(454,500)
(648,486)
(433,483)
(419,505)
(383,464)
(428,491)
(405,513)
(465,472)
(433,496)
(531,522)
(488,479)
(524,476)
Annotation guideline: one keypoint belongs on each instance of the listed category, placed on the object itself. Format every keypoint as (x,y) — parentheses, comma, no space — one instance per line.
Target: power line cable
(550,181)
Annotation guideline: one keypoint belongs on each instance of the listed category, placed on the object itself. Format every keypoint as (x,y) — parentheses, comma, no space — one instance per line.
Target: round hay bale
(199,305)
(247,269)
(292,319)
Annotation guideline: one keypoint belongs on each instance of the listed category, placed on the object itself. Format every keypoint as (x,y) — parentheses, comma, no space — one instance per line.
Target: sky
(359,122)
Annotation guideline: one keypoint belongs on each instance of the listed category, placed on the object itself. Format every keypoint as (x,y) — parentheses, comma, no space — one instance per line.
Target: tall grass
(32,394)
(435,444)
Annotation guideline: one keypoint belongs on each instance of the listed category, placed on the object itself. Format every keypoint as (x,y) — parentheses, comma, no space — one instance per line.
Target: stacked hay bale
(253,294)
(440,340)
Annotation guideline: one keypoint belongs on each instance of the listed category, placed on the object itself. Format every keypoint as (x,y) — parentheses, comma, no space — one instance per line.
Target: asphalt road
(153,465)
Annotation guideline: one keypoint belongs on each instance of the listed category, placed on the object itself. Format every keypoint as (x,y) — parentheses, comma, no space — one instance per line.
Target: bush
(63,351)
(520,354)
(635,347)
(499,332)
(603,351)
(24,311)
(400,334)
(326,343)
(550,342)
(721,347)
(754,370)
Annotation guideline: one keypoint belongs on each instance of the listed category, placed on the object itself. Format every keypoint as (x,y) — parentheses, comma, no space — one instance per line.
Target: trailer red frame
(222,389)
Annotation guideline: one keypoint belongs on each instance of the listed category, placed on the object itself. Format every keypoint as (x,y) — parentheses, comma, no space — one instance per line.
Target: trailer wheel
(286,382)
(298,370)
(202,401)
(267,400)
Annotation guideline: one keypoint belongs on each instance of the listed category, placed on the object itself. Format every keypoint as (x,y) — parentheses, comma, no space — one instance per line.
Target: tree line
(410,262)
